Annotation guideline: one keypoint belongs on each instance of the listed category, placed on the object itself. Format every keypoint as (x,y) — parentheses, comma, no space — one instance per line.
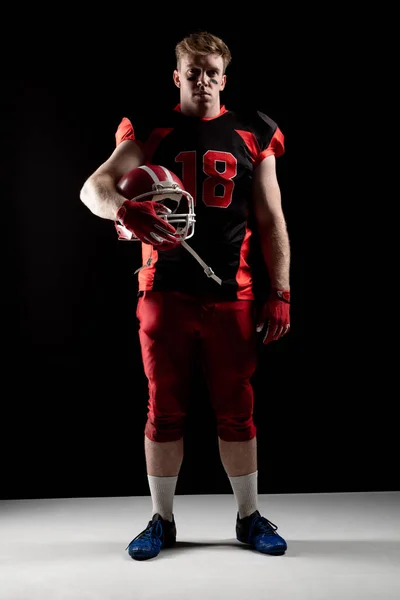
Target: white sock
(162,490)
(245,491)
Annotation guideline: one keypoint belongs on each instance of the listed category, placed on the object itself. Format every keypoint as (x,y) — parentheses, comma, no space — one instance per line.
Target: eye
(192,74)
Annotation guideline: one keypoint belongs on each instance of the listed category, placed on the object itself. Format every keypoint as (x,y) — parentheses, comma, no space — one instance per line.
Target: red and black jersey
(214,158)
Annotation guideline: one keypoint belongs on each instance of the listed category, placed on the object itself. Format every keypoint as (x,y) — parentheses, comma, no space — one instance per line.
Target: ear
(176,77)
(223,83)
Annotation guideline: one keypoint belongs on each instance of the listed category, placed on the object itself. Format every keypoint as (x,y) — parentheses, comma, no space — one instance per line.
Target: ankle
(162,490)
(245,490)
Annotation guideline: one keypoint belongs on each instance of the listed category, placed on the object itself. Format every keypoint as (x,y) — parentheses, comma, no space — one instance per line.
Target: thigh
(167,333)
(229,354)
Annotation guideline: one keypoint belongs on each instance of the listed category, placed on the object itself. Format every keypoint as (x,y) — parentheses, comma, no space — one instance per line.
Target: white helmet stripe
(150,172)
(168,174)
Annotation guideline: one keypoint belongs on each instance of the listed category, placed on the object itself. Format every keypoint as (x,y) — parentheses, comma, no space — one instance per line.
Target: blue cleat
(158,534)
(260,533)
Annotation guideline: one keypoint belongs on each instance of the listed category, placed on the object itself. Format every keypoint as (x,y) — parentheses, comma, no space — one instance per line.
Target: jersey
(214,158)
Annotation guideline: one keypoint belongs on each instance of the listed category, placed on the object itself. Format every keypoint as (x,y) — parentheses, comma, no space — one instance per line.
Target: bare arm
(271,223)
(99,192)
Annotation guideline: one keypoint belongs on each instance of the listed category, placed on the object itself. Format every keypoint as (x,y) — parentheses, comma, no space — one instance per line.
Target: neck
(201,111)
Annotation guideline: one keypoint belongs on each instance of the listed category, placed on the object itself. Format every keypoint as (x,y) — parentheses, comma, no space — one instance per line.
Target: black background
(74,396)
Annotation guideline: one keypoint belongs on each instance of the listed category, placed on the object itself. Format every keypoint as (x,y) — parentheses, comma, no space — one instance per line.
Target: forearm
(101,197)
(276,252)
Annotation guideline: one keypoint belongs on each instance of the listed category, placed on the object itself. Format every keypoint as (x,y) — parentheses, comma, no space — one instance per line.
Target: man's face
(200,79)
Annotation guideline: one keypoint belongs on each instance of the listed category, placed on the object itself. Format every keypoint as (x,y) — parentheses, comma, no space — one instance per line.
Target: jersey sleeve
(125,131)
(270,138)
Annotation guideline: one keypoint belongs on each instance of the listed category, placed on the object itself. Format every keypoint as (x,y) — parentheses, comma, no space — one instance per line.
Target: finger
(283,329)
(259,327)
(271,331)
(160,239)
(169,231)
(167,246)
(167,235)
(275,331)
(156,237)
(161,208)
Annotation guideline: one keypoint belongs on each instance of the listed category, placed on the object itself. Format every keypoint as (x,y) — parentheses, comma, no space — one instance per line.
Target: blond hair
(202,43)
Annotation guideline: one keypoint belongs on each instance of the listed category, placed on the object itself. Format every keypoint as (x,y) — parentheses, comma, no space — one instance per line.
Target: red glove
(276,312)
(141,219)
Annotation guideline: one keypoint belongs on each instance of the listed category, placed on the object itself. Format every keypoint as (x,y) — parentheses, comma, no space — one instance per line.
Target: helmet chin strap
(207,270)
(124,234)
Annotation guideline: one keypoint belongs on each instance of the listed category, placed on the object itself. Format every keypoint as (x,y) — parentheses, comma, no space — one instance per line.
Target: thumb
(262,315)
(162,209)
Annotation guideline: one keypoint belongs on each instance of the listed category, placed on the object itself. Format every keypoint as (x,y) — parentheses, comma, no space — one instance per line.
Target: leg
(238,458)
(167,350)
(167,338)
(229,361)
(163,459)
(240,462)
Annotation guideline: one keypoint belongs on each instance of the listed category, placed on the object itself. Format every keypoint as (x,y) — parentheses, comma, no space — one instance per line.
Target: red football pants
(174,330)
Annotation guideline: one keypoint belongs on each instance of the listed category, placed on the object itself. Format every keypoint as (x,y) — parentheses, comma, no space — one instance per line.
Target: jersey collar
(221,112)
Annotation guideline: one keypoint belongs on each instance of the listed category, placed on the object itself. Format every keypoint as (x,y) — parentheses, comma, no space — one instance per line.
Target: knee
(236,429)
(162,430)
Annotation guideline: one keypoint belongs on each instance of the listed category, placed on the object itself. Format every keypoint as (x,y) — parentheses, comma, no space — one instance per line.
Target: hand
(141,219)
(276,315)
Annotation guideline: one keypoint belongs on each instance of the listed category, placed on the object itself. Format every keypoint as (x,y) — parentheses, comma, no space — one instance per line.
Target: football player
(196,185)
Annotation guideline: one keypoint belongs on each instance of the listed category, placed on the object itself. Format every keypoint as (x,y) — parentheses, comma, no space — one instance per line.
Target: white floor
(340,547)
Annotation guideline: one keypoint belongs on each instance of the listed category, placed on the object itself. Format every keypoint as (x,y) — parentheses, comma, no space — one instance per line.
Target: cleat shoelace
(262,525)
(148,533)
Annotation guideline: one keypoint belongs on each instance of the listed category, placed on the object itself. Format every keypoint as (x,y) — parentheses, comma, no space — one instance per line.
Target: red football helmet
(158,184)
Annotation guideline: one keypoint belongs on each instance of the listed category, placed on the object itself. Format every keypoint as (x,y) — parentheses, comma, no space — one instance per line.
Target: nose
(202,80)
